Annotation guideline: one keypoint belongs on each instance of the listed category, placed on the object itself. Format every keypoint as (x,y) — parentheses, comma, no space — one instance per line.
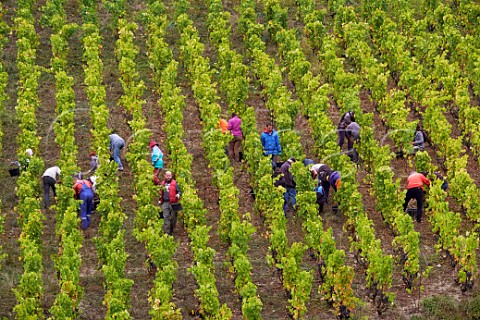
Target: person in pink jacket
(235,144)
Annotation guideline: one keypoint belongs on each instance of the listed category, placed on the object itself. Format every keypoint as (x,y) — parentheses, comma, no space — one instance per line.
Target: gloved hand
(177,196)
(280,153)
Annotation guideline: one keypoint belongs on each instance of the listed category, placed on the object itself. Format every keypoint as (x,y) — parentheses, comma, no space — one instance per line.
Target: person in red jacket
(83,191)
(169,194)
(416,182)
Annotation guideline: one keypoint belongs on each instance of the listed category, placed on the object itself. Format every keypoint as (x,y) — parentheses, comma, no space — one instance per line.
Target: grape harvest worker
(419,139)
(169,194)
(83,191)
(93,162)
(157,161)
(352,133)
(416,182)
(116,144)
(347,118)
(223,125)
(271,144)
(290,194)
(50,177)
(322,173)
(235,144)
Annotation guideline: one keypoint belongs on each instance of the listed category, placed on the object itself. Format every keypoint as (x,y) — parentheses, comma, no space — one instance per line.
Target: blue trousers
(289,196)
(116,155)
(86,207)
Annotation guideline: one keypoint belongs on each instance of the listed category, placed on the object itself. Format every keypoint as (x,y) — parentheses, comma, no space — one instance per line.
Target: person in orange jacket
(416,183)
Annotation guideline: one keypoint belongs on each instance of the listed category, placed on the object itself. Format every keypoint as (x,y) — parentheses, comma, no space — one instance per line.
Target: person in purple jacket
(235,144)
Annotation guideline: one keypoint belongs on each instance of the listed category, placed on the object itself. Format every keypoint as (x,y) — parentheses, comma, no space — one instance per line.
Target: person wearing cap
(157,161)
(235,144)
(83,191)
(169,194)
(116,144)
(415,186)
(290,194)
(50,177)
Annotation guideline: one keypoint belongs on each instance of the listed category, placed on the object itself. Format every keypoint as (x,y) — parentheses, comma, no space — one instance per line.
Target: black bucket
(14,172)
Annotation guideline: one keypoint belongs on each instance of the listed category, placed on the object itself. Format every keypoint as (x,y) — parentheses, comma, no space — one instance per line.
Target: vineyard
(74,71)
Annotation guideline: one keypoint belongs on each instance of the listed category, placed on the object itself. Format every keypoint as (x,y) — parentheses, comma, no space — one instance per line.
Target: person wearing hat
(83,191)
(290,194)
(157,161)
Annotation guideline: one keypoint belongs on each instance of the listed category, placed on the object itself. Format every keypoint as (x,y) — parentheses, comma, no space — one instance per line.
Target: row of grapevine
(379,267)
(233,231)
(4,28)
(234,84)
(29,292)
(67,262)
(462,249)
(386,190)
(440,130)
(336,277)
(148,226)
(194,213)
(110,243)
(288,259)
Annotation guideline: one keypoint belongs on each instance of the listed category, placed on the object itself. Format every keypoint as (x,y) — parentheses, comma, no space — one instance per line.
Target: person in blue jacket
(157,161)
(271,144)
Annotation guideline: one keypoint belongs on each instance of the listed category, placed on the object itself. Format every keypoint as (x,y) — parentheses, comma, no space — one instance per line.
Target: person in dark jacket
(83,191)
(321,196)
(439,176)
(322,173)
(271,144)
(290,194)
(345,120)
(169,194)
(352,133)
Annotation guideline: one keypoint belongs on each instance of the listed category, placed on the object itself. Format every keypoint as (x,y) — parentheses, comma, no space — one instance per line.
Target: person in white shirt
(50,177)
